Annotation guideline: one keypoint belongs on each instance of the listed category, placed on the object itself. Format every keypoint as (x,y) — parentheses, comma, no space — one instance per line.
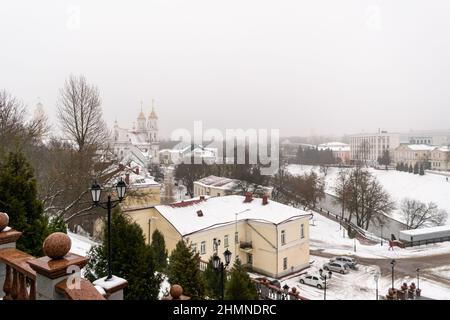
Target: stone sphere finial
(57,245)
(4,220)
(176,291)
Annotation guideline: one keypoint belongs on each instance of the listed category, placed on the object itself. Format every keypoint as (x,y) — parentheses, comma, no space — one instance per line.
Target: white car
(315,281)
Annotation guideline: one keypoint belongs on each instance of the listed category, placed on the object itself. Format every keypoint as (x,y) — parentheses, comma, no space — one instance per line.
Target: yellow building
(268,237)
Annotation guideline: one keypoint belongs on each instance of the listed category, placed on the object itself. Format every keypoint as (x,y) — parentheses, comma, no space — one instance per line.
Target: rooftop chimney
(137,170)
(248,197)
(202,197)
(200,213)
(265,200)
(127,178)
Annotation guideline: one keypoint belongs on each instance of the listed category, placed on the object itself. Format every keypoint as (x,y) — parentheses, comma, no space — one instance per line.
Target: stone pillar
(59,265)
(113,287)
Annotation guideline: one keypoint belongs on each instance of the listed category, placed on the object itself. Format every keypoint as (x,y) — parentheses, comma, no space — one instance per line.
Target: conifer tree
(212,280)
(132,259)
(416,168)
(18,198)
(159,250)
(410,168)
(183,269)
(240,286)
(422,171)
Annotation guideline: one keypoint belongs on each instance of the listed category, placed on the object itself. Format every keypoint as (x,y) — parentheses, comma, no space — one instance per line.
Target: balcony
(246,246)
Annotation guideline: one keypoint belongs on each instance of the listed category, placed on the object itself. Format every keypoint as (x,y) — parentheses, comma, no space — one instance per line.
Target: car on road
(336,266)
(312,280)
(350,262)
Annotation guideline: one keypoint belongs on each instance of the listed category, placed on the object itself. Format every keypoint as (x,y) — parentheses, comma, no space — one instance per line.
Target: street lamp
(393,266)
(219,265)
(285,291)
(96,191)
(418,270)
(376,276)
(381,237)
(325,277)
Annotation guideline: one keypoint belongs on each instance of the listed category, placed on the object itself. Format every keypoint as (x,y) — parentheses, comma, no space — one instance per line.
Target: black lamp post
(219,265)
(325,277)
(393,266)
(285,292)
(96,190)
(376,276)
(418,270)
(381,226)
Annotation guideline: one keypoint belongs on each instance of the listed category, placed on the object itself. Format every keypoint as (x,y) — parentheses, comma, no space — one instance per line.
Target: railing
(268,291)
(20,279)
(425,242)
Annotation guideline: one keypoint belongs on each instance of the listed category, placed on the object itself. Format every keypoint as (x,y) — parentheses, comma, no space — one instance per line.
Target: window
(249,258)
(285,263)
(236,237)
(302,231)
(283,237)
(203,247)
(194,247)
(225,241)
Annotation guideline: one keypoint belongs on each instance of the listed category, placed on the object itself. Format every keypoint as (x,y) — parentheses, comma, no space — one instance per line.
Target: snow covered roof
(415,232)
(421,147)
(334,146)
(220,211)
(444,148)
(217,182)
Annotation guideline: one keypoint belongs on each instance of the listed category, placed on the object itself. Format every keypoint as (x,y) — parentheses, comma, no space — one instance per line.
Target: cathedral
(140,144)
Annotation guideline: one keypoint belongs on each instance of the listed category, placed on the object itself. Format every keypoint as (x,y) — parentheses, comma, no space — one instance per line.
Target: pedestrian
(446,178)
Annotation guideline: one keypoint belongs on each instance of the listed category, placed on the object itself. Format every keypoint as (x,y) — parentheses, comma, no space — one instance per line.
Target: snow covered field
(430,187)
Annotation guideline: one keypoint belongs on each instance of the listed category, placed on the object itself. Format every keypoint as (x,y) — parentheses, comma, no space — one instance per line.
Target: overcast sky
(318,66)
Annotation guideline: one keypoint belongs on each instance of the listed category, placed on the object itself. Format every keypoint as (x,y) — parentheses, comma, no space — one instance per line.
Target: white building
(185,153)
(368,147)
(215,186)
(339,149)
(140,144)
(440,158)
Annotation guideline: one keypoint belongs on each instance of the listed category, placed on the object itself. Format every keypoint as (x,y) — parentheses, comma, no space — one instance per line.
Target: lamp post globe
(216,262)
(121,188)
(96,191)
(227,255)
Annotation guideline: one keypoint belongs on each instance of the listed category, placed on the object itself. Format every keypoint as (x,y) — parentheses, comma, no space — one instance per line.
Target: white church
(140,144)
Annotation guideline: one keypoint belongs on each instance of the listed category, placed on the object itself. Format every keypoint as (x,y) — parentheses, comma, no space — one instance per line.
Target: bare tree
(80,114)
(15,129)
(418,214)
(365,198)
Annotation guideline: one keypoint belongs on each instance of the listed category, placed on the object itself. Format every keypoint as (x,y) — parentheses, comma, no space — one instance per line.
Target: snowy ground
(326,236)
(430,187)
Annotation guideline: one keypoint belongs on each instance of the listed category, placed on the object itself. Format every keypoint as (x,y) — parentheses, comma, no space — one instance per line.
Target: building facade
(440,158)
(268,237)
(139,144)
(368,147)
(410,154)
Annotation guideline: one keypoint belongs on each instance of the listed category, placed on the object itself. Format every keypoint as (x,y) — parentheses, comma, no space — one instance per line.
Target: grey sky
(322,66)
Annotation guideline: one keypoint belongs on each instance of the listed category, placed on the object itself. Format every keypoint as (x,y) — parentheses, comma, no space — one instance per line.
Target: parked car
(336,266)
(315,281)
(350,262)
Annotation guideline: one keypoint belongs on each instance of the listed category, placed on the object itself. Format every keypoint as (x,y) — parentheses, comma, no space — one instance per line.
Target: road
(404,267)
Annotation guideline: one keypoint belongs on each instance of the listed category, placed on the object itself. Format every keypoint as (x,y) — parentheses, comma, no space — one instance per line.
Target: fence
(425,242)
